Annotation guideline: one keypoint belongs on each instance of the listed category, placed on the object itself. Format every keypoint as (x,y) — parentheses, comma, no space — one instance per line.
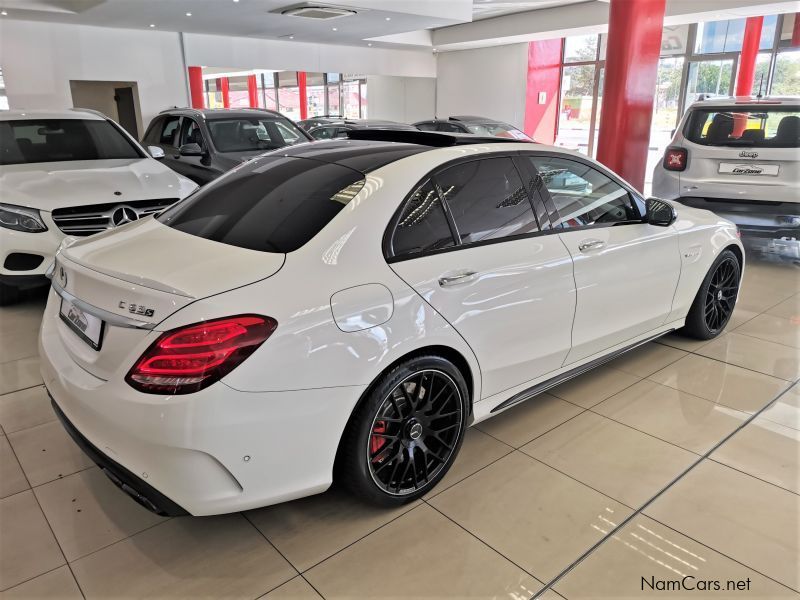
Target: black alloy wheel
(414,432)
(721,294)
(405,433)
(713,306)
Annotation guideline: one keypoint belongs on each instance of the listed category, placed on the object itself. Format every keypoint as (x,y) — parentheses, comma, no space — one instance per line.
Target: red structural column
(222,86)
(747,59)
(196,87)
(541,95)
(796,30)
(252,90)
(634,44)
(301,84)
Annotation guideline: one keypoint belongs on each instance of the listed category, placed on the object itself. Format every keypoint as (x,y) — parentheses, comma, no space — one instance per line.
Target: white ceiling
(387,23)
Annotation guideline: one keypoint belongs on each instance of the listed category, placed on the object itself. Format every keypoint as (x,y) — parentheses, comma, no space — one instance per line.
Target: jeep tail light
(675,159)
(189,358)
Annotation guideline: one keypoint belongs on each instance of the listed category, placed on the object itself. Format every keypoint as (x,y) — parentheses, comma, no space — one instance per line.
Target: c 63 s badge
(136,309)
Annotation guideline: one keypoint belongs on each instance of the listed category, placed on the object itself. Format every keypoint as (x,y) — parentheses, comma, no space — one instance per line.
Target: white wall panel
(39,59)
(403,99)
(488,82)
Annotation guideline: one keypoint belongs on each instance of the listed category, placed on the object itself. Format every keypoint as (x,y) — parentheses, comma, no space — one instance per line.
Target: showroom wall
(489,82)
(404,99)
(39,60)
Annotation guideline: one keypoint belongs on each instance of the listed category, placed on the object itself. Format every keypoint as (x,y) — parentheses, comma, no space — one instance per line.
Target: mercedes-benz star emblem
(122,215)
(415,432)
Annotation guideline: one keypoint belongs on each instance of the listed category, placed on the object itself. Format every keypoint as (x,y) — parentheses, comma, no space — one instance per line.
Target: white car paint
(270,429)
(721,178)
(46,186)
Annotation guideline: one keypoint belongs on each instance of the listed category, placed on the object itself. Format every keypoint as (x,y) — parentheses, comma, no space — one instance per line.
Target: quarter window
(583,196)
(422,225)
(487,200)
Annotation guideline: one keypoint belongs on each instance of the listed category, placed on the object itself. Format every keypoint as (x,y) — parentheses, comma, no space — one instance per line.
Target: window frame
(458,244)
(636,198)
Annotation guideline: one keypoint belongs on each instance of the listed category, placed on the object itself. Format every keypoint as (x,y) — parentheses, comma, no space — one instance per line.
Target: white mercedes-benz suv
(73,172)
(738,157)
(347,308)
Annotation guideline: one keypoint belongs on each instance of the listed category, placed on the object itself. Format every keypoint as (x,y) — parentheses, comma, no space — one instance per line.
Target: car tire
(9,294)
(716,299)
(405,434)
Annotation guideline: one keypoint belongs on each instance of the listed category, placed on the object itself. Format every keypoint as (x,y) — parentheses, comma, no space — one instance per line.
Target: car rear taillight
(189,358)
(675,159)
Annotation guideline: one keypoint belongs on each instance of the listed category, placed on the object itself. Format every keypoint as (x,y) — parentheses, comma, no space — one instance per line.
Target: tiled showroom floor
(545,485)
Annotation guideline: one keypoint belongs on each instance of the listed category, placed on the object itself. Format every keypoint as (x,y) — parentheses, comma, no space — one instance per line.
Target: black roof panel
(427,138)
(364,156)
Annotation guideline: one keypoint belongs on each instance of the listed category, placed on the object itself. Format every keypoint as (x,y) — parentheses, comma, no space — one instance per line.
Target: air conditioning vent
(318,13)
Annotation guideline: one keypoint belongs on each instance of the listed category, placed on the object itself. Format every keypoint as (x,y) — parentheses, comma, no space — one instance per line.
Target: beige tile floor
(602,487)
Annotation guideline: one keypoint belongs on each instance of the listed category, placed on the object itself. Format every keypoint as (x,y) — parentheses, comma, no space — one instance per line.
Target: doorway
(118,100)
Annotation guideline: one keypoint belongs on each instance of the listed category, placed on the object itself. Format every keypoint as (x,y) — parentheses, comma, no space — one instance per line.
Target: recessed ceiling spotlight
(370,44)
(334,29)
(3,13)
(388,18)
(188,14)
(291,37)
(152,24)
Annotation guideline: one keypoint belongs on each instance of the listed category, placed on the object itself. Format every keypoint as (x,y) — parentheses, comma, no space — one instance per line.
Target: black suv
(476,125)
(339,129)
(203,144)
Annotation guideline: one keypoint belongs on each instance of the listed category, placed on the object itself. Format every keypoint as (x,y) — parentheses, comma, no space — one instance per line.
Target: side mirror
(660,213)
(156,152)
(190,150)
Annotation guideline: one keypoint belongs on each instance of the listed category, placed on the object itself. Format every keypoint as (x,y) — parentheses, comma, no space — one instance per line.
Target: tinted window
(56,140)
(449,128)
(272,204)
(323,133)
(168,131)
(487,200)
(498,130)
(245,134)
(154,131)
(429,126)
(751,127)
(422,225)
(190,133)
(583,195)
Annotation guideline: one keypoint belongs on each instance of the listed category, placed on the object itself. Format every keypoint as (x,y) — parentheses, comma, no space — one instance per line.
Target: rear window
(273,204)
(57,140)
(497,130)
(750,126)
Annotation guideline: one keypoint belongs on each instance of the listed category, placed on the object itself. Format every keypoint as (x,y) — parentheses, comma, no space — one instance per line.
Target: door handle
(464,277)
(587,245)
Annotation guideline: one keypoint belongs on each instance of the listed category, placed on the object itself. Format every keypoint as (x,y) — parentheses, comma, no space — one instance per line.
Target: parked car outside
(70,172)
(204,144)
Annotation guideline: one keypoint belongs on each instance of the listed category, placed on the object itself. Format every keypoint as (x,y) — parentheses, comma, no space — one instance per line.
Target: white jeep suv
(72,172)
(740,158)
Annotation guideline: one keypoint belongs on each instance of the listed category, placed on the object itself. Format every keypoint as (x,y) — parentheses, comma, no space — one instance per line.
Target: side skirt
(566,376)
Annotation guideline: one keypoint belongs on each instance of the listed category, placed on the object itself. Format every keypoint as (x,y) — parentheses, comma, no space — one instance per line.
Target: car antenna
(760,88)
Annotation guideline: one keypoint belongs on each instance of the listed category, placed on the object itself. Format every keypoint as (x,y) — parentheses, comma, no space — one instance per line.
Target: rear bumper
(753,217)
(216,451)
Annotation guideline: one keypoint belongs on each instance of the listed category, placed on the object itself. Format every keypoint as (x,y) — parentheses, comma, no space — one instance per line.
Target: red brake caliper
(376,442)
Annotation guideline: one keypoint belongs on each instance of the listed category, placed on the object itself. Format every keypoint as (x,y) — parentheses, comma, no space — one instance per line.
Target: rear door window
(760,126)
(487,200)
(272,204)
(169,130)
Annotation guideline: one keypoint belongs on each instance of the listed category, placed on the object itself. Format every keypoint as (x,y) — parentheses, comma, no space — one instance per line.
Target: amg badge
(137,309)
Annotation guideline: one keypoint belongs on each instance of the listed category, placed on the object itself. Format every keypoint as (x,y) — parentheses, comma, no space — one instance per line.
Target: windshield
(749,126)
(58,140)
(497,129)
(271,204)
(253,134)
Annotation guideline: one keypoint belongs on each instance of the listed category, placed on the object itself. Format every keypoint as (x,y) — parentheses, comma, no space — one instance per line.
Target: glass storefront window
(786,79)
(267,92)
(580,48)
(768,32)
(674,39)
(334,99)
(761,74)
(3,96)
(708,77)
(577,90)
(719,36)
(237,92)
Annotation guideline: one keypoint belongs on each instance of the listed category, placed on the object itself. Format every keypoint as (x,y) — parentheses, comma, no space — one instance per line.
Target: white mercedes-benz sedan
(70,172)
(344,310)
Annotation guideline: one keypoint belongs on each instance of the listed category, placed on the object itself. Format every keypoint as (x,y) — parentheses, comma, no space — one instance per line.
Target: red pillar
(634,44)
(301,83)
(544,77)
(796,30)
(196,87)
(747,60)
(252,90)
(222,86)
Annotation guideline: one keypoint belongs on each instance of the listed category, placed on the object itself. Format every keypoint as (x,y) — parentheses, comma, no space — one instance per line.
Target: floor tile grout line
(759,338)
(692,352)
(41,383)
(738,562)
(8,589)
(583,410)
(485,543)
(114,543)
(31,427)
(641,509)
(771,483)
